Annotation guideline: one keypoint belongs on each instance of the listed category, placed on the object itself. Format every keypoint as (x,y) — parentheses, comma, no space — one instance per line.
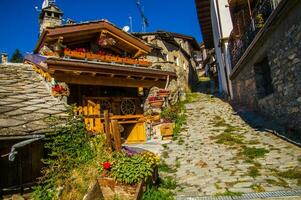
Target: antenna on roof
(144,19)
(131,23)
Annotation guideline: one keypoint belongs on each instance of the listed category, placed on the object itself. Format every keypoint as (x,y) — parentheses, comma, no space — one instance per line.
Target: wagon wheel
(128,107)
(105,105)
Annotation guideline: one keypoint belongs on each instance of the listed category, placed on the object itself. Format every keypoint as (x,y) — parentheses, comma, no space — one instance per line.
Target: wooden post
(107,128)
(116,135)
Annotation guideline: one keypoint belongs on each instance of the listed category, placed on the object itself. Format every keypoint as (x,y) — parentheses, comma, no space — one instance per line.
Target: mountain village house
(95,66)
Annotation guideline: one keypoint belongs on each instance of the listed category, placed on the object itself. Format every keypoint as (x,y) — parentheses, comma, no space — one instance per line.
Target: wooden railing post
(116,135)
(107,128)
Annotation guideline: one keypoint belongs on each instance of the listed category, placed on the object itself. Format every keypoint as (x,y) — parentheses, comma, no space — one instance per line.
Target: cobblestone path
(217,153)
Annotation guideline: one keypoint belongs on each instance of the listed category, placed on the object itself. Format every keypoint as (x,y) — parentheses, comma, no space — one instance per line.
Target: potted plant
(155,101)
(126,174)
(60,90)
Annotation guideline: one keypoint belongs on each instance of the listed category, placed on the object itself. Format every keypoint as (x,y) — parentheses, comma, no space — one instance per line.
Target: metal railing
(239,44)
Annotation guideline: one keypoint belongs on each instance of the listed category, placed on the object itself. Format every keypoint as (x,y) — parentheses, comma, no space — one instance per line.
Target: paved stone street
(217,153)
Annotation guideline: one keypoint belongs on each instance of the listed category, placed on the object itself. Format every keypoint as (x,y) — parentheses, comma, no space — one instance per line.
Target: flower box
(75,54)
(144,63)
(112,189)
(92,56)
(119,60)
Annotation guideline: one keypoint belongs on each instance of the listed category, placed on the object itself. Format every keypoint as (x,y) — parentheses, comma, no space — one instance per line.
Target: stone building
(50,16)
(265,53)
(216,25)
(173,52)
(25,109)
(4,58)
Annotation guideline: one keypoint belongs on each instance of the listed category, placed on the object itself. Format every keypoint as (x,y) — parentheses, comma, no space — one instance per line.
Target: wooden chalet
(103,68)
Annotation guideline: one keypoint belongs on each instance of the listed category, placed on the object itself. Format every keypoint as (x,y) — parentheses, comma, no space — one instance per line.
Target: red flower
(106,165)
(58,88)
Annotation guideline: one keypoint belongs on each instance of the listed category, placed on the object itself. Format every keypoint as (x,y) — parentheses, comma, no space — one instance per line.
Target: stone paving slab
(214,158)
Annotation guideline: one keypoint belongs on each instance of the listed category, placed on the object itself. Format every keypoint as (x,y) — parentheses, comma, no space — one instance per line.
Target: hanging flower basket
(60,90)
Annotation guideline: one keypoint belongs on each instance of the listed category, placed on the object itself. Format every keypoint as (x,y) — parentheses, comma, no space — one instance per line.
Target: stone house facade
(267,76)
(173,52)
(216,25)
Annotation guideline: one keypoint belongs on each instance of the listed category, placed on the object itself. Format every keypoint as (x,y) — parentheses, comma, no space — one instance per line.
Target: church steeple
(50,15)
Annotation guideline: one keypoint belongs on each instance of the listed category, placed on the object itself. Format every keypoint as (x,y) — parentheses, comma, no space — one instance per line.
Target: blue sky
(19,19)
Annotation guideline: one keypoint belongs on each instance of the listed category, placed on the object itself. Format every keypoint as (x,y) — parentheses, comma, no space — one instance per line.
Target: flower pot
(156,103)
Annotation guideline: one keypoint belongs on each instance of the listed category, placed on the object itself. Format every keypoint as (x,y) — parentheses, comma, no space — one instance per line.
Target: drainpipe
(222,46)
(13,153)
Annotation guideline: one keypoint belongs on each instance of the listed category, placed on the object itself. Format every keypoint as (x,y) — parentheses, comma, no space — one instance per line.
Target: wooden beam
(116,135)
(106,81)
(125,41)
(104,68)
(107,129)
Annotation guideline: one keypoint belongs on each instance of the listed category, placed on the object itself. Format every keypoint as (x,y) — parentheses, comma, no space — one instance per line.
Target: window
(165,56)
(263,78)
(184,66)
(176,60)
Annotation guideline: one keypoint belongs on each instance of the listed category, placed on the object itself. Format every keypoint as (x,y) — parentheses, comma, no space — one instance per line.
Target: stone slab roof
(26,102)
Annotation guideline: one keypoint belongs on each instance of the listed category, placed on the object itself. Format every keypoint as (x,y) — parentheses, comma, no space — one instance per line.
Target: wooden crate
(167,129)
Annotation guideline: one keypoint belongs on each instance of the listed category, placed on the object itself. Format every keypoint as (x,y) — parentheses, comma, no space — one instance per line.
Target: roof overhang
(92,73)
(204,15)
(73,33)
(72,71)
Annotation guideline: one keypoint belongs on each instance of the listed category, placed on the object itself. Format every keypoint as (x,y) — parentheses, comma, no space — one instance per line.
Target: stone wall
(281,44)
(185,67)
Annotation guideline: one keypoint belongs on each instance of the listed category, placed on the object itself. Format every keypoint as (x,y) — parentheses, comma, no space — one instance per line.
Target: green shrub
(131,169)
(153,192)
(70,149)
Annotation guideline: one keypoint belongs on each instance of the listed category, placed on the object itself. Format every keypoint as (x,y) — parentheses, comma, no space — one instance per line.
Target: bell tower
(50,15)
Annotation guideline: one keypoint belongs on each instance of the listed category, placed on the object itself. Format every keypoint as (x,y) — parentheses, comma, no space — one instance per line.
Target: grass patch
(180,141)
(252,152)
(168,183)
(217,186)
(165,154)
(218,121)
(228,139)
(291,174)
(178,163)
(156,192)
(280,182)
(162,191)
(299,159)
(253,171)
(192,97)
(257,188)
(204,79)
(229,193)
(165,146)
(163,167)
